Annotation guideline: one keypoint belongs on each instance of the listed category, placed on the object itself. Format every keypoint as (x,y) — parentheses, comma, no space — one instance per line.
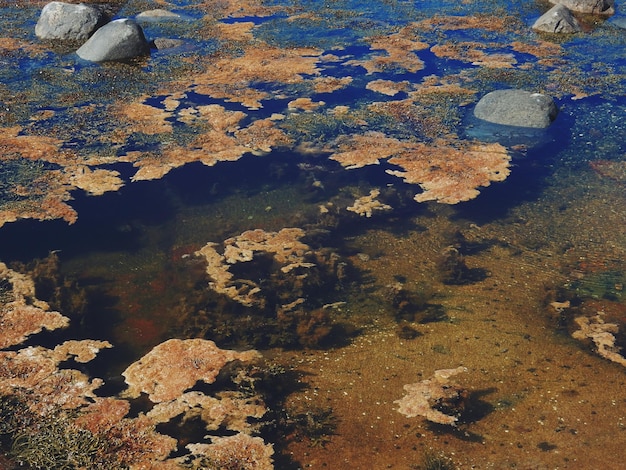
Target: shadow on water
(105,223)
(530,175)
(117,221)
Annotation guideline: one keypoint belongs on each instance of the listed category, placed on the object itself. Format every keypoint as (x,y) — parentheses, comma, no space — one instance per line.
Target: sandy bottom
(540,400)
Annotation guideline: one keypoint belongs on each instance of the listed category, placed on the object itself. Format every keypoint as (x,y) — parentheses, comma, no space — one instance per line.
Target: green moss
(57,444)
(46,442)
(435,462)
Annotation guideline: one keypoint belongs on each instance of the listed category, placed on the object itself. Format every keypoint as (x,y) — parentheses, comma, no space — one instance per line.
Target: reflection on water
(270,173)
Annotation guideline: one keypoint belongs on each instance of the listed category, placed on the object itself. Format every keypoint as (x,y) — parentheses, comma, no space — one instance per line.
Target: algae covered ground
(307,180)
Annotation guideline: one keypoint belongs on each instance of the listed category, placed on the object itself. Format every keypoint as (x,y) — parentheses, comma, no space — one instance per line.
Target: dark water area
(235,189)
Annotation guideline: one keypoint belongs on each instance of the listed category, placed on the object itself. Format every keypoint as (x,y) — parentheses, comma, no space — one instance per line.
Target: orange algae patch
(423,398)
(45,196)
(103,414)
(32,147)
(540,49)
(174,366)
(471,52)
(146,118)
(230,410)
(330,84)
(448,173)
(400,48)
(365,206)
(236,31)
(235,8)
(219,139)
(95,182)
(138,443)
(453,23)
(36,369)
(305,104)
(451,174)
(249,453)
(284,246)
(21,314)
(231,78)
(368,149)
(388,87)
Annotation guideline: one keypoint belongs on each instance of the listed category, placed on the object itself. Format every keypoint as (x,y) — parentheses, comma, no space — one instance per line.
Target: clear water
(387,304)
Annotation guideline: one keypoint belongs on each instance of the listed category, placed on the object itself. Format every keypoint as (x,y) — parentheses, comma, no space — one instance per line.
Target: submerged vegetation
(239,251)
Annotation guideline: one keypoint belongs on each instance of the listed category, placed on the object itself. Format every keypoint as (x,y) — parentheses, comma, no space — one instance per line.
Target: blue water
(134,245)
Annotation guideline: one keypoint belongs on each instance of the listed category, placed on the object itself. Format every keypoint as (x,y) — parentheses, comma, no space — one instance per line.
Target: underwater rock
(68,22)
(167,43)
(593,7)
(157,15)
(118,40)
(557,19)
(516,108)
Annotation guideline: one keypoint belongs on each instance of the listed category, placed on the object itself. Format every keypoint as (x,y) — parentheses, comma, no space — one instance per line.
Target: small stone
(167,43)
(157,15)
(118,40)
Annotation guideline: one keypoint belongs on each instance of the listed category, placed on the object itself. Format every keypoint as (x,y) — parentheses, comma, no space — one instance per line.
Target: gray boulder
(592,7)
(157,15)
(557,19)
(68,22)
(118,40)
(516,108)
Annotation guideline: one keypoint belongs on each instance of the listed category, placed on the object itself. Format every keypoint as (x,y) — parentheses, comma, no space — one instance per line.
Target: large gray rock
(68,22)
(516,108)
(557,19)
(593,7)
(118,40)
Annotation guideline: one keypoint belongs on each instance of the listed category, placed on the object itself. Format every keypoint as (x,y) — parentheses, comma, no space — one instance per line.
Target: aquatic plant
(454,269)
(432,461)
(56,443)
(315,425)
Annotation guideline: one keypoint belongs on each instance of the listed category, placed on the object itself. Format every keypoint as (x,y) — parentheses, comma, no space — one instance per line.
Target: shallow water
(207,141)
